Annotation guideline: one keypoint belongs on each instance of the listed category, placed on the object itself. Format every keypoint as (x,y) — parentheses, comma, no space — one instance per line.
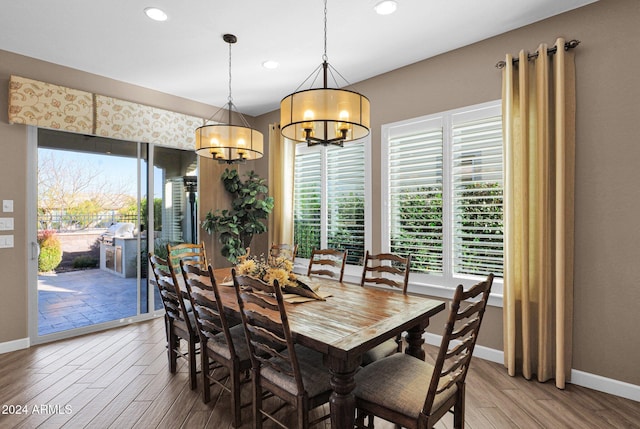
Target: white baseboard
(12,346)
(492,355)
(579,378)
(607,385)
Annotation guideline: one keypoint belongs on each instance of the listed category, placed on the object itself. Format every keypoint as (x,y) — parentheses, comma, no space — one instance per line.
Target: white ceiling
(187,57)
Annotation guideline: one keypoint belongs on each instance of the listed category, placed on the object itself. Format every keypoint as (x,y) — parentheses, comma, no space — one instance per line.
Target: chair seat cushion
(183,331)
(219,345)
(380,351)
(315,376)
(399,383)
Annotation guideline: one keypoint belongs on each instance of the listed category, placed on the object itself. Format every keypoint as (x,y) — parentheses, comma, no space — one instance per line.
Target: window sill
(495,299)
(435,291)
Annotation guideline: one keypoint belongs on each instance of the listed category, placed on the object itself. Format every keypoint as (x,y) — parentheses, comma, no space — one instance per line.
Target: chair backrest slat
(261,302)
(459,339)
(467,312)
(190,254)
(266,325)
(453,367)
(267,337)
(322,259)
(283,250)
(461,347)
(465,329)
(386,269)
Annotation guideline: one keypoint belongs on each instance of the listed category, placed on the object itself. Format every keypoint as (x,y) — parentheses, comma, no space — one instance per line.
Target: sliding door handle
(35,251)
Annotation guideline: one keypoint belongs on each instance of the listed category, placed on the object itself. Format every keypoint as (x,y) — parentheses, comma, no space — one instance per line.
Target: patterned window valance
(45,105)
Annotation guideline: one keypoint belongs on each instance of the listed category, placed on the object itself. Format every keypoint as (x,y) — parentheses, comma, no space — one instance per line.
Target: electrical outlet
(6,224)
(6,241)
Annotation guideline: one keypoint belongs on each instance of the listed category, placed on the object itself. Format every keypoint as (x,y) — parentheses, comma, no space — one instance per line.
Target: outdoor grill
(117,247)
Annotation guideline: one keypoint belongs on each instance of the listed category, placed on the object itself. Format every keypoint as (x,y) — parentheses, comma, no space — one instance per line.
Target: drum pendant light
(226,142)
(326,116)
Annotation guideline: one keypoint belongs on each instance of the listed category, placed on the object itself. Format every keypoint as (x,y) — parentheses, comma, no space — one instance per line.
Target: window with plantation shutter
(442,194)
(477,194)
(329,199)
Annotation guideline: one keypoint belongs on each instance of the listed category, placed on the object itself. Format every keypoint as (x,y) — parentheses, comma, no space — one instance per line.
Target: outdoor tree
(82,213)
(66,186)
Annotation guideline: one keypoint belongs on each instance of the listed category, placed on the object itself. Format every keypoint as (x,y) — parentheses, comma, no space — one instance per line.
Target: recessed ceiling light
(386,7)
(270,64)
(155,14)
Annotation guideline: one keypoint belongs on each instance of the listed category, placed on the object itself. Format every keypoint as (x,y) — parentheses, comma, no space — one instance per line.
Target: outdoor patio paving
(81,298)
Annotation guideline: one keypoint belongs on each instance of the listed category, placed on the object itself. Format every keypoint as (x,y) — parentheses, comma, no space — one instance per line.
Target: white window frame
(423,283)
(352,273)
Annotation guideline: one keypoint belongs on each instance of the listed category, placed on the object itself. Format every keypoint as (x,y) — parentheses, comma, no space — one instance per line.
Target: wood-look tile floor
(119,379)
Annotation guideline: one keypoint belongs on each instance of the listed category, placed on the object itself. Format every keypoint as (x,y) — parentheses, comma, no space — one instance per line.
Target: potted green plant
(249,207)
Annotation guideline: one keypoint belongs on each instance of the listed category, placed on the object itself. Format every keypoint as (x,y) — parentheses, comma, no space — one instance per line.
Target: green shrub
(85,261)
(50,251)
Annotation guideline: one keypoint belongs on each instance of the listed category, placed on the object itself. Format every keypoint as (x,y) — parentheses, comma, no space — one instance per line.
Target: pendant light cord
(230,39)
(324,56)
(230,98)
(325,59)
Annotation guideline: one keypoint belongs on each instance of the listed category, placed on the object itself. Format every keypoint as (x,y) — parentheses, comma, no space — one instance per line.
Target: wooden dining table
(347,324)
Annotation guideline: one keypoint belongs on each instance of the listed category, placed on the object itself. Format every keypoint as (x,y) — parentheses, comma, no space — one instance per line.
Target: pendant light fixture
(226,142)
(324,115)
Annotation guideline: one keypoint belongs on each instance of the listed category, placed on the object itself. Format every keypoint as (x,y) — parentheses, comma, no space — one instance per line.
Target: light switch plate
(6,224)
(7,206)
(6,241)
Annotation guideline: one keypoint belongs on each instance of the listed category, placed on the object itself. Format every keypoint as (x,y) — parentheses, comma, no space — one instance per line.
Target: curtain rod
(568,45)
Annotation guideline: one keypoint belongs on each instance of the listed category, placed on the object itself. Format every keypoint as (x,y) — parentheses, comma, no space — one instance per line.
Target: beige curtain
(281,162)
(538,98)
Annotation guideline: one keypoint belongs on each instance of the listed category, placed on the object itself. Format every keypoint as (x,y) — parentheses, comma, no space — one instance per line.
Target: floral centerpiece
(275,268)
(279,268)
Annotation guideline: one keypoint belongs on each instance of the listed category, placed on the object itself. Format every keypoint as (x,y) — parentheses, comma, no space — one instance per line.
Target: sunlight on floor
(50,288)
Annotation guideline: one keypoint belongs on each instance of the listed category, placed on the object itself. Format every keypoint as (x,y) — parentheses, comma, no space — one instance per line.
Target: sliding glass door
(100,207)
(174,200)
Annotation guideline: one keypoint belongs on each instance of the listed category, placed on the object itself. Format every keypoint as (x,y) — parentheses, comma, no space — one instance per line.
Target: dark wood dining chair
(179,319)
(327,262)
(415,394)
(221,344)
(385,269)
(293,373)
(191,254)
(289,251)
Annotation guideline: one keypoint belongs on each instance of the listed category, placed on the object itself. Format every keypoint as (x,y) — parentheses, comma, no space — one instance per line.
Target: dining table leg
(415,340)
(342,401)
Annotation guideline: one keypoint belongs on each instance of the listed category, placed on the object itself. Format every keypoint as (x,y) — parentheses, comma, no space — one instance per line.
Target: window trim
(425,283)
